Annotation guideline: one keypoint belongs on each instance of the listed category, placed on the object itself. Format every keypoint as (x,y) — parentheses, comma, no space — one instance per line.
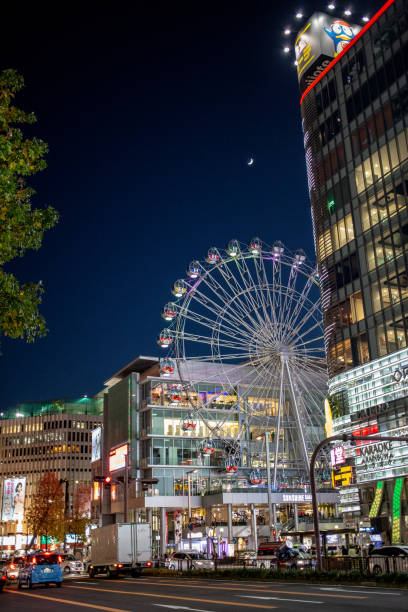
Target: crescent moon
(250,162)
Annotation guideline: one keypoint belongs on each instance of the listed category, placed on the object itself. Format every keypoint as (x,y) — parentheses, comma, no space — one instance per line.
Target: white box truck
(121,548)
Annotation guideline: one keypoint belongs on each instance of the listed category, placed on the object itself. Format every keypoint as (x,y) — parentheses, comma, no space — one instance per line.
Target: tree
(81,512)
(21,226)
(46,513)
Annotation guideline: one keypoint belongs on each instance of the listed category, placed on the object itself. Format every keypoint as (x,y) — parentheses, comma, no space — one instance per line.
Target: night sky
(151,111)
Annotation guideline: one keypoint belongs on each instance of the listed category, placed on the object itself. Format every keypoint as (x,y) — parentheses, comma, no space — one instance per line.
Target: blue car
(41,568)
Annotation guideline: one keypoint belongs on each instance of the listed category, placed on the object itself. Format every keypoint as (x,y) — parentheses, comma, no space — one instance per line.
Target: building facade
(39,437)
(354,112)
(178,476)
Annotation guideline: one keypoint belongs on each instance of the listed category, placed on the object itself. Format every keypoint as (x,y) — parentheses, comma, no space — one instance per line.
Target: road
(152,594)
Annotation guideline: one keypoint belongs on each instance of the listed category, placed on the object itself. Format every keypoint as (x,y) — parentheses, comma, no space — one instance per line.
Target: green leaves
(21,226)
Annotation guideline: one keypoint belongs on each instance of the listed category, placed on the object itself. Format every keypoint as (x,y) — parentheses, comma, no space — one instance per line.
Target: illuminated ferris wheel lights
(348,12)
(287,31)
(331,7)
(366,18)
(251,328)
(299,15)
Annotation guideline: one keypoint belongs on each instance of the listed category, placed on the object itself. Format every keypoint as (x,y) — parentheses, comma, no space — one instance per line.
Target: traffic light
(107,480)
(274,533)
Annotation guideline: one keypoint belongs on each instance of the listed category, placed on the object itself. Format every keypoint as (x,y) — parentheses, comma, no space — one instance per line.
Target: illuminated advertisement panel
(13,499)
(96,444)
(321,39)
(382,459)
(117,458)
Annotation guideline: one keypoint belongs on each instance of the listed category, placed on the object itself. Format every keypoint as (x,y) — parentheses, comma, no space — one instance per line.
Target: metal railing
(374,565)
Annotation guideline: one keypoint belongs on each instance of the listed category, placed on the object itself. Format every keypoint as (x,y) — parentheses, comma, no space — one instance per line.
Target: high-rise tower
(354,106)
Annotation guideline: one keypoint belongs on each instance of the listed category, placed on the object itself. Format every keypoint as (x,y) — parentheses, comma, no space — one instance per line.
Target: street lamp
(189,492)
(338,438)
(272,519)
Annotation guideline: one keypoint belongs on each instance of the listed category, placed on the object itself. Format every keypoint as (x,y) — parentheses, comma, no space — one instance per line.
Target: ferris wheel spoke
(215,308)
(221,293)
(224,327)
(301,302)
(309,330)
(250,287)
(237,318)
(313,311)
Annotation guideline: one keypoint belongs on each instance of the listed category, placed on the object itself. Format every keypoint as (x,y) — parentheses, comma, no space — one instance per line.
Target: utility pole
(126,487)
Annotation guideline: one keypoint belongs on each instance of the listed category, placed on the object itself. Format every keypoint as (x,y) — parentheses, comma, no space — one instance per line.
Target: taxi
(42,568)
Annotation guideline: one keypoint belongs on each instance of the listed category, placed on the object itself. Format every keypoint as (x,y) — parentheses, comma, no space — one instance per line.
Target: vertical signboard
(13,499)
(96,444)
(320,40)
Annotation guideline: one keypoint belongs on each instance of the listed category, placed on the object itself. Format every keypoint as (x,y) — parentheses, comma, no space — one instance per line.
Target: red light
(108,480)
(12,566)
(120,565)
(34,560)
(47,553)
(149,563)
(59,559)
(3,577)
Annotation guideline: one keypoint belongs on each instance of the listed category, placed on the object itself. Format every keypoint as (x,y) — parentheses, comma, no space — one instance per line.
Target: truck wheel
(110,574)
(91,572)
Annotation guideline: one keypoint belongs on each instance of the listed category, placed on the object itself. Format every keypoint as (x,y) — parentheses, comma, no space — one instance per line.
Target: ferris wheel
(244,342)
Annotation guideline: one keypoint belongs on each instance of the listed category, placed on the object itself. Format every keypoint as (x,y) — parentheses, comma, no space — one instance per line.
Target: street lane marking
(69,602)
(213,601)
(224,588)
(180,608)
(81,582)
(339,590)
(283,599)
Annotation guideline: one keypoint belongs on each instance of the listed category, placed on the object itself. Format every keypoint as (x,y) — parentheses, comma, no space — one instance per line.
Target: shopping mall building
(354,112)
(174,465)
(36,438)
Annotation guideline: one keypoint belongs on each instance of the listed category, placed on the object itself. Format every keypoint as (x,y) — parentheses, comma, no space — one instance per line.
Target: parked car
(44,568)
(71,565)
(388,559)
(188,560)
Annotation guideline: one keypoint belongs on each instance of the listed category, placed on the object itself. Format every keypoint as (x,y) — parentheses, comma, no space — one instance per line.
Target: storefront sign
(296,497)
(386,459)
(343,476)
(337,456)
